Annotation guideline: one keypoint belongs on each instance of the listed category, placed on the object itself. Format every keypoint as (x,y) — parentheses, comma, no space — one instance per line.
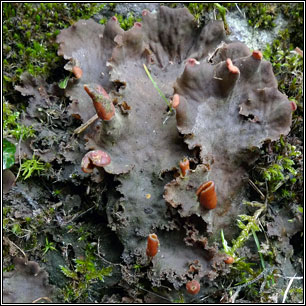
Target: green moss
(103,20)
(128,22)
(283,173)
(198,9)
(221,11)
(32,167)
(288,67)
(83,273)
(125,23)
(49,246)
(252,276)
(280,163)
(261,15)
(11,126)
(8,268)
(23,233)
(295,295)
(29,32)
(112,6)
(294,13)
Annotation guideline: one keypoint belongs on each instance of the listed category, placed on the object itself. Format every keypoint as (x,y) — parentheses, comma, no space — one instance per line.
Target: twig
(105,260)
(210,56)
(78,215)
(84,126)
(169,114)
(288,288)
(263,285)
(202,298)
(153,293)
(243,14)
(289,277)
(42,298)
(267,192)
(16,246)
(257,189)
(234,296)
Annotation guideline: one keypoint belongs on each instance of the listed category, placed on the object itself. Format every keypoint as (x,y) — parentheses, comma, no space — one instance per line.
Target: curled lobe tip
(257,55)
(175,101)
(192,62)
(230,66)
(184,166)
(104,106)
(137,24)
(207,196)
(152,245)
(77,71)
(293,106)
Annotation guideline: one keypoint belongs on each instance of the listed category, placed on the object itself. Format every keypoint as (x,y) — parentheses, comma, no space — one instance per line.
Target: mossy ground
(29,32)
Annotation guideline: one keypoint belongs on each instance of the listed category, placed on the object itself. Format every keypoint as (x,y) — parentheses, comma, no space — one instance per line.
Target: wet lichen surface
(117,181)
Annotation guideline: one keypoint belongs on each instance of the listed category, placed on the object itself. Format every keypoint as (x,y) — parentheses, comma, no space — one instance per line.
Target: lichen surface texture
(229,105)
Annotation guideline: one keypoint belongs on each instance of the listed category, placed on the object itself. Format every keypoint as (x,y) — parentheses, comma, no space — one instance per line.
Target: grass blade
(157,88)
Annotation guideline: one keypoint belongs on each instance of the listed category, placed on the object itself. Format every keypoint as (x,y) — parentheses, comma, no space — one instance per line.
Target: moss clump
(85,274)
(32,167)
(280,171)
(287,65)
(261,15)
(280,165)
(29,31)
(198,10)
(128,22)
(24,231)
(294,12)
(288,69)
(11,126)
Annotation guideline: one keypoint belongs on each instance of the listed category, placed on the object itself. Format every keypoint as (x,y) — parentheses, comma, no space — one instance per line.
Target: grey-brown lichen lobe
(229,103)
(27,283)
